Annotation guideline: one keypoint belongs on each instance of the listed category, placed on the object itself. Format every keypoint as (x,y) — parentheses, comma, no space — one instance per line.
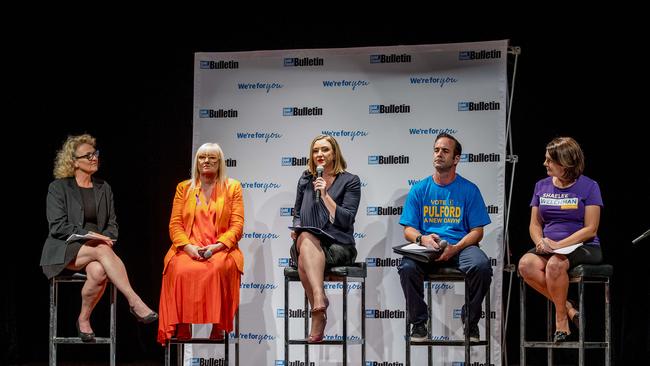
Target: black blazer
(65,215)
(345,191)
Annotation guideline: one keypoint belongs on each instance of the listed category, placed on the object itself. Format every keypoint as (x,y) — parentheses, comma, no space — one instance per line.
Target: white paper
(414,246)
(86,236)
(567,250)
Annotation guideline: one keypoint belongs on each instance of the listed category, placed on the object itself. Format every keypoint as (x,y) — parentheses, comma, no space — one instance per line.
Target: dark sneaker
(419,332)
(474,334)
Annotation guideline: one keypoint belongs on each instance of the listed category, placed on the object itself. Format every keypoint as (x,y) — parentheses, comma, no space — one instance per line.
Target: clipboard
(413,251)
(312,229)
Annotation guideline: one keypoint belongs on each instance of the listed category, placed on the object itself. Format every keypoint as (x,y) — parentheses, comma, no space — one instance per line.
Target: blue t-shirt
(450,211)
(562,210)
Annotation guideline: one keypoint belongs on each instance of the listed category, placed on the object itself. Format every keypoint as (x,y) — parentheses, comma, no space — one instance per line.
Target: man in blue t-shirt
(447,207)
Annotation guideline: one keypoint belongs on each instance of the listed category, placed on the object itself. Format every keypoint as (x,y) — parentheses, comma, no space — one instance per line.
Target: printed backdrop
(384,105)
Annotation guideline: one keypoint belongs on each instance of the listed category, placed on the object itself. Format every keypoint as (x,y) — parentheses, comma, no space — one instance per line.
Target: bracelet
(418,239)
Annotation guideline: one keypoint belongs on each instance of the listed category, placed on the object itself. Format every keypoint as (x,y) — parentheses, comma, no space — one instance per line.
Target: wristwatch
(418,239)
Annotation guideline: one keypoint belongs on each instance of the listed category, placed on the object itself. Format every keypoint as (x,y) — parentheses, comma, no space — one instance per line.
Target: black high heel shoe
(560,336)
(85,337)
(149,318)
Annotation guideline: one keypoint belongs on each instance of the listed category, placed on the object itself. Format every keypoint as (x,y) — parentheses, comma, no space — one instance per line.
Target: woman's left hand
(215,247)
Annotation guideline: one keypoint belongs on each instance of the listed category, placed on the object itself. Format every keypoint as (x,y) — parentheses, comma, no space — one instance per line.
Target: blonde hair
(64,161)
(566,152)
(339,163)
(209,147)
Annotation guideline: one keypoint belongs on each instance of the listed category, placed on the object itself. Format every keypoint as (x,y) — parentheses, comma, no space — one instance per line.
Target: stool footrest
(203,341)
(564,344)
(77,340)
(447,343)
(326,342)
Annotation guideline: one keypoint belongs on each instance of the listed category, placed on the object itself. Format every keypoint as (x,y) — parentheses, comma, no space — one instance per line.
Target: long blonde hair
(64,161)
(209,147)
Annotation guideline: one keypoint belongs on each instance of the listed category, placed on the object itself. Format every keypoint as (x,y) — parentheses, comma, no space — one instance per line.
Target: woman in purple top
(565,211)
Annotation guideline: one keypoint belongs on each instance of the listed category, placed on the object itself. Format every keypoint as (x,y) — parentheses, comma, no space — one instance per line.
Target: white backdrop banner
(384,105)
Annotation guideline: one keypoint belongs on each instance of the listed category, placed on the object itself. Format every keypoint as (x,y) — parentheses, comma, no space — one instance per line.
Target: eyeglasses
(89,156)
(212,159)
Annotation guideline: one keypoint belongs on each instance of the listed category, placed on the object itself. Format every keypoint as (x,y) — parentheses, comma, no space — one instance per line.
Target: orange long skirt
(198,292)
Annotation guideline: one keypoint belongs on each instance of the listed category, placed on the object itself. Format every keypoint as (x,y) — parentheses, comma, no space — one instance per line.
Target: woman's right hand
(193,251)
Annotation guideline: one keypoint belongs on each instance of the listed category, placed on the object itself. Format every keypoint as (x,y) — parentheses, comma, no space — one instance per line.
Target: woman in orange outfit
(202,269)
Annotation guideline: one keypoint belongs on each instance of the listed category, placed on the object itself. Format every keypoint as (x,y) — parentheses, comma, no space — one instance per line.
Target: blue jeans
(471,260)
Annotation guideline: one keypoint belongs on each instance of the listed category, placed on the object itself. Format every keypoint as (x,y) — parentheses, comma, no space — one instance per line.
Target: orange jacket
(230,219)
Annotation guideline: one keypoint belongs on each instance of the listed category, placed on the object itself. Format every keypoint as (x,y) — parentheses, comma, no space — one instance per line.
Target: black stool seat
(356,272)
(592,270)
(446,273)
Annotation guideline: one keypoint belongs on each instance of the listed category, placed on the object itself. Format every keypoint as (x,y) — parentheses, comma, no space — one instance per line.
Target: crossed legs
(101,263)
(311,269)
(549,277)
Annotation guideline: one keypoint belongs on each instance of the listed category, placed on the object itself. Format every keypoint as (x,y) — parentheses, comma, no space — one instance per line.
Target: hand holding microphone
(319,174)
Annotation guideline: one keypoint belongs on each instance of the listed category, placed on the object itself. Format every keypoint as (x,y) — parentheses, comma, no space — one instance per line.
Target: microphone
(643,236)
(319,174)
(205,253)
(442,244)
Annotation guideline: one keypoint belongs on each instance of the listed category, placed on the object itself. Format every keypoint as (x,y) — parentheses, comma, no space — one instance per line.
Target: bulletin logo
(199,361)
(384,363)
(384,211)
(219,65)
(231,163)
(293,363)
(218,113)
(390,59)
(388,108)
(492,209)
(286,262)
(302,111)
(293,313)
(294,161)
(478,106)
(385,314)
(478,55)
(383,262)
(479,158)
(304,61)
(388,159)
(286,211)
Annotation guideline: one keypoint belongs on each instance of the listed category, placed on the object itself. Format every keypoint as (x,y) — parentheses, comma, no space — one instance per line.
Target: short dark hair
(458,149)
(567,152)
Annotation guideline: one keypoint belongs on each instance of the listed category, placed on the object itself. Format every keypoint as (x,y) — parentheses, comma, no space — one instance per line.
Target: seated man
(448,207)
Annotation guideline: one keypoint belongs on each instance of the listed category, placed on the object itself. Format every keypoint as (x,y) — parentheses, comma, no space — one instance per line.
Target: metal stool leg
(549,331)
(286,320)
(467,325)
(53,319)
(430,323)
(345,320)
(608,319)
(113,326)
(306,329)
(581,332)
(488,328)
(363,322)
(522,322)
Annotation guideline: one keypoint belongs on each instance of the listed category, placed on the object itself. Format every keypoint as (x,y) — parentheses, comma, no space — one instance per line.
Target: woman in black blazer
(327,200)
(80,205)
